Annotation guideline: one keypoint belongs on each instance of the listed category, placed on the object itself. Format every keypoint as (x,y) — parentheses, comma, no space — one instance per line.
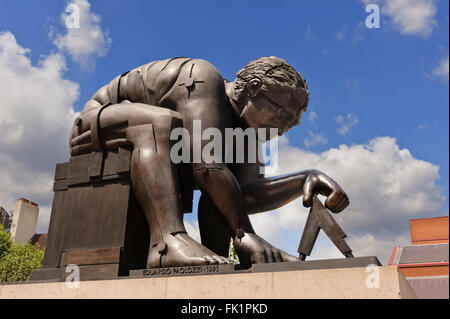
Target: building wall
(5,219)
(425,263)
(25,216)
(429,230)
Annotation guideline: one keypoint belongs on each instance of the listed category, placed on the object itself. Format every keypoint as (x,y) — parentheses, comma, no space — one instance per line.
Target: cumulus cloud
(309,35)
(358,33)
(353,85)
(84,42)
(423,126)
(35,119)
(341,34)
(441,71)
(314,139)
(312,118)
(386,185)
(410,17)
(346,123)
(354,34)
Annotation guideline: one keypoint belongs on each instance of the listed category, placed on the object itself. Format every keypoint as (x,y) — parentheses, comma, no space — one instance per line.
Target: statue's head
(271,94)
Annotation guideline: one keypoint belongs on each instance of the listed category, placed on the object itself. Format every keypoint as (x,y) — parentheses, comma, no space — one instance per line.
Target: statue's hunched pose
(139,109)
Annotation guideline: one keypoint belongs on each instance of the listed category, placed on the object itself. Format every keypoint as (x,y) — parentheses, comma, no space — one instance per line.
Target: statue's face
(272,108)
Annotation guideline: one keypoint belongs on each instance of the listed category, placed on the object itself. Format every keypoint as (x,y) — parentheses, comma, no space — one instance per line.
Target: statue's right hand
(319,183)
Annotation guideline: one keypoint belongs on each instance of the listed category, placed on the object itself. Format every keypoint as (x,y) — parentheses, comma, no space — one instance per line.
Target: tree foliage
(232,254)
(17,260)
(5,242)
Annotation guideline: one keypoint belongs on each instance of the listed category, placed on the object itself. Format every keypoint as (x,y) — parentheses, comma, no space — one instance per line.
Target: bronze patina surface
(131,119)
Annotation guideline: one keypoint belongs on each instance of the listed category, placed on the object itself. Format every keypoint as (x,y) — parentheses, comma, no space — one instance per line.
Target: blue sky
(390,83)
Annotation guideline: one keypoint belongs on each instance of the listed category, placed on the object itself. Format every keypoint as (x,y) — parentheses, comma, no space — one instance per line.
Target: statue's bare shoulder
(184,81)
(167,83)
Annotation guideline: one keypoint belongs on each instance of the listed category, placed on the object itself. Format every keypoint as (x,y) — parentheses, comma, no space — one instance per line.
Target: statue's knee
(168,121)
(204,172)
(161,118)
(143,154)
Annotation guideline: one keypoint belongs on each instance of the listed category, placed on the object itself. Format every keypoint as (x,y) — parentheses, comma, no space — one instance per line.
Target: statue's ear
(253,87)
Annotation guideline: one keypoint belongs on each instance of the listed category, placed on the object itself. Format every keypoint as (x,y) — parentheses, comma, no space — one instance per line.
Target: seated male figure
(140,108)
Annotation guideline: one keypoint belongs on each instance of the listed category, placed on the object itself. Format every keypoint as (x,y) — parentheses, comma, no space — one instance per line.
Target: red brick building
(425,262)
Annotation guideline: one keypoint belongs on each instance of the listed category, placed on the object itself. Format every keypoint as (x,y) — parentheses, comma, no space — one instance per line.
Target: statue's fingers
(336,202)
(339,208)
(343,204)
(332,201)
(308,192)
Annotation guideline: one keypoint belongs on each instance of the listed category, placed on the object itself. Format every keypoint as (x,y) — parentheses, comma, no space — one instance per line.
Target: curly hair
(273,72)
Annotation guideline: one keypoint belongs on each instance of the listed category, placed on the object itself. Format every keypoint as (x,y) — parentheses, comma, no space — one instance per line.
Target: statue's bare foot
(252,249)
(181,250)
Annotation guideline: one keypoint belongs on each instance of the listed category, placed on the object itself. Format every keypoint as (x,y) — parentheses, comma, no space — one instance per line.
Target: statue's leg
(153,176)
(213,230)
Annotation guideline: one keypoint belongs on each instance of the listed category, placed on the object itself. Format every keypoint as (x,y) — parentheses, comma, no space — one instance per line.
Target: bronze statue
(139,109)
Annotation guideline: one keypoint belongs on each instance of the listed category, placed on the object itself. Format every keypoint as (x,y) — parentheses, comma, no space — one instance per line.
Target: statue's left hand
(319,183)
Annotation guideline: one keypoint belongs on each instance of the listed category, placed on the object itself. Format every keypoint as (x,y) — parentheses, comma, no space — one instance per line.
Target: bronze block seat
(96,220)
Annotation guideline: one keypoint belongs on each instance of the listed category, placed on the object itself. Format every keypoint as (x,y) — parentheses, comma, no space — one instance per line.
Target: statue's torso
(166,83)
(154,82)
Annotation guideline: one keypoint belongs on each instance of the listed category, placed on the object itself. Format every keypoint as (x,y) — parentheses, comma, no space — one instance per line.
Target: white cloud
(441,71)
(377,244)
(312,117)
(309,35)
(314,139)
(341,34)
(355,34)
(353,85)
(423,126)
(358,33)
(267,226)
(87,41)
(346,123)
(386,185)
(193,230)
(410,17)
(35,119)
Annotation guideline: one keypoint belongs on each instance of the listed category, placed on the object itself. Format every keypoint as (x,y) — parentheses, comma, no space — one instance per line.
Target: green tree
(5,242)
(232,254)
(18,260)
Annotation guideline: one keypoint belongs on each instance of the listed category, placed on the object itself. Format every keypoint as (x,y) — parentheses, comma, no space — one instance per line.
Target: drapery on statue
(139,109)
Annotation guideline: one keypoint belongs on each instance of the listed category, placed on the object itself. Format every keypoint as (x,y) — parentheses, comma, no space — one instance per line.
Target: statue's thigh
(117,121)
(134,114)
(110,126)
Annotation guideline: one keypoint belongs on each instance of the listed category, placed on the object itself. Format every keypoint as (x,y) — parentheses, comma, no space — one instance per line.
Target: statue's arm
(207,103)
(265,194)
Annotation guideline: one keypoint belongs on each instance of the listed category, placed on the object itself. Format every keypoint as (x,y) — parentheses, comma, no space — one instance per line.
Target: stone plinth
(317,283)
